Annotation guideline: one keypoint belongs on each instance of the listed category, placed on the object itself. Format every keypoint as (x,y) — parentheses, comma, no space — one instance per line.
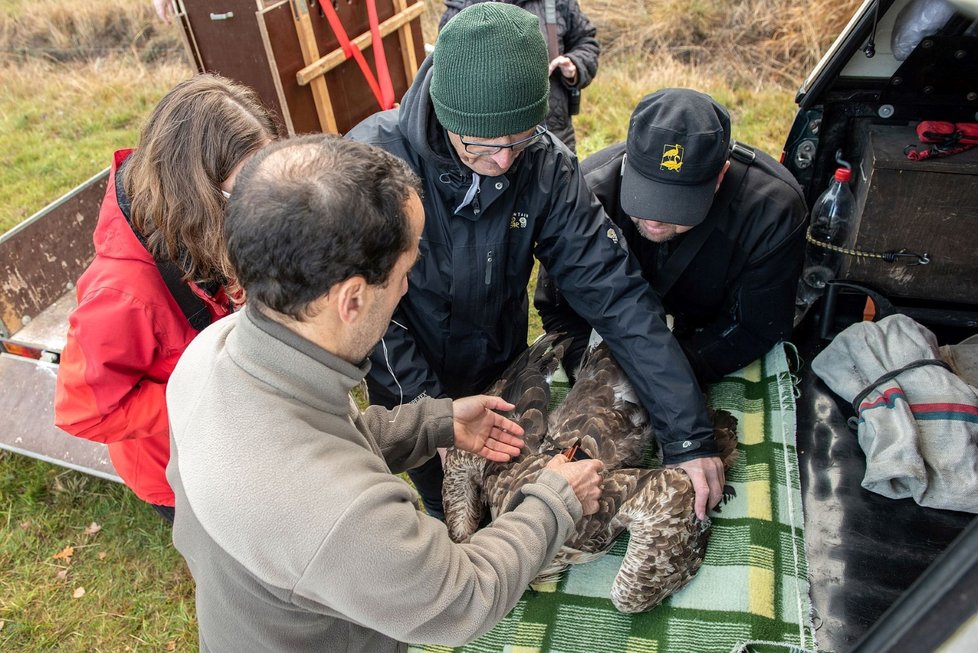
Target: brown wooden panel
(287,57)
(27,420)
(925,206)
(227,41)
(41,258)
(351,96)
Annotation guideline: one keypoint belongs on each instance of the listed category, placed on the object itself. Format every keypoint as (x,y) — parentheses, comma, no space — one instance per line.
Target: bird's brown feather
(601,415)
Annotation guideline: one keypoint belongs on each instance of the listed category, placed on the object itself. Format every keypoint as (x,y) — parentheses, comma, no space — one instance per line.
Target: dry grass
(749,40)
(772,40)
(85,29)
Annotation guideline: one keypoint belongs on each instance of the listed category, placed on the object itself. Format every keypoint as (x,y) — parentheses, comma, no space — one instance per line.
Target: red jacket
(123,341)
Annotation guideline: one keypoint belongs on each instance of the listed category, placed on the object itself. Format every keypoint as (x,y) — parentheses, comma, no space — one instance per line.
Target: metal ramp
(40,260)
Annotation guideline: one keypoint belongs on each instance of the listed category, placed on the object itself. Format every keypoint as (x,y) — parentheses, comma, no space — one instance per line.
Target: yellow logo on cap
(672,157)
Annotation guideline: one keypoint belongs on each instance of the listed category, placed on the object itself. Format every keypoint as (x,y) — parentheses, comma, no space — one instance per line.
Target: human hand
(708,479)
(583,477)
(164,9)
(483,432)
(567,68)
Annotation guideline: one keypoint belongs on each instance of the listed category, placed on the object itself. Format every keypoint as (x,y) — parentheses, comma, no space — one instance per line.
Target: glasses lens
(478,149)
(482,150)
(519,147)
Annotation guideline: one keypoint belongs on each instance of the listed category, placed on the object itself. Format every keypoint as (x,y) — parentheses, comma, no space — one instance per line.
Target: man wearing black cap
(717,227)
(499,191)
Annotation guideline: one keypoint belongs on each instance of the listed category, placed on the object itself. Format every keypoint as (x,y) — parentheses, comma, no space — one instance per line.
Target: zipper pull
(489,268)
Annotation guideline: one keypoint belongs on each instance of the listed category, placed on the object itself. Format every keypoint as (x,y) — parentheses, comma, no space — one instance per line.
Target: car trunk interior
(865,551)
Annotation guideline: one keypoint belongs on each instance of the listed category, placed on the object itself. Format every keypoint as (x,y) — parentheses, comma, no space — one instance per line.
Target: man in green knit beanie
(498,191)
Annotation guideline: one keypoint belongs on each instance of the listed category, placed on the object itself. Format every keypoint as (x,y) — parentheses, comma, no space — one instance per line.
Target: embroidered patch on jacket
(672,157)
(612,235)
(519,220)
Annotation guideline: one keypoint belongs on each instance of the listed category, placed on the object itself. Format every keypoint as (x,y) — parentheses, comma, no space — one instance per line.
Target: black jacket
(735,299)
(575,40)
(464,316)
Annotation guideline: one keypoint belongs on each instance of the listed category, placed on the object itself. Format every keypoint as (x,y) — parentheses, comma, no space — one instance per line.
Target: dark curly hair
(312,211)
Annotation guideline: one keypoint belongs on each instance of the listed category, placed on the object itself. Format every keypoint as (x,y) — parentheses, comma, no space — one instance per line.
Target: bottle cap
(843,175)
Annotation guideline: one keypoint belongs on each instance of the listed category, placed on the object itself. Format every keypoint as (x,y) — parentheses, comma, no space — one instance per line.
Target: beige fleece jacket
(298,534)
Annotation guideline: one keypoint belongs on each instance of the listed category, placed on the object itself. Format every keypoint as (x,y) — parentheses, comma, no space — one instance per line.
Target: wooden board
(259,47)
(49,330)
(925,206)
(43,257)
(224,38)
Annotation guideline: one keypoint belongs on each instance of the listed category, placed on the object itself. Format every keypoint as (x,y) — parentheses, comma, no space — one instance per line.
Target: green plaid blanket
(750,595)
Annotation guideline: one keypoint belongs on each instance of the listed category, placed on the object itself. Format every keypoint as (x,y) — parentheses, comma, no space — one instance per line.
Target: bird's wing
(505,481)
(602,413)
(526,384)
(596,533)
(667,543)
(725,432)
(462,493)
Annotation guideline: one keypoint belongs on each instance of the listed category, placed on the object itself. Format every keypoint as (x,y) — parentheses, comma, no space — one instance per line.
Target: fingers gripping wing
(526,384)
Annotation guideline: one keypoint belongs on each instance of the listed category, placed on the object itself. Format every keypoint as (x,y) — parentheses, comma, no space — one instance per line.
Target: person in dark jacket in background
(573,53)
(718,230)
(499,190)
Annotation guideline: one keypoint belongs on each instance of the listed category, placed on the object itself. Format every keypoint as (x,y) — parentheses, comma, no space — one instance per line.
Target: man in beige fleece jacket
(299,535)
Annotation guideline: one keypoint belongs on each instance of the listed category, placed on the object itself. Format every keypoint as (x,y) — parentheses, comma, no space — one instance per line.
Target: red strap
(934,131)
(934,152)
(383,92)
(944,138)
(968,131)
(380,58)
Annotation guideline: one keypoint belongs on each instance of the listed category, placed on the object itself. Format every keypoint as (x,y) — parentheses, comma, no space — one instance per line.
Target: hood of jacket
(420,126)
(113,236)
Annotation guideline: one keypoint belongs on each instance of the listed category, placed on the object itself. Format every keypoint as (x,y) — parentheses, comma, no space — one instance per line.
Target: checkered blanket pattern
(752,592)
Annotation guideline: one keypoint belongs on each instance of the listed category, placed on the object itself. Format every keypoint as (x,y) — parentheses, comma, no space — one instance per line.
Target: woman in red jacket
(160,274)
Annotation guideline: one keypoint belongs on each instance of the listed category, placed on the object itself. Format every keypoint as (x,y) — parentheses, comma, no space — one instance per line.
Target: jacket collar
(292,364)
(420,125)
(113,237)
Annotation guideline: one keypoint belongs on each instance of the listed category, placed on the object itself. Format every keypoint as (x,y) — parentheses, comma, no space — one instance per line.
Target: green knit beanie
(489,72)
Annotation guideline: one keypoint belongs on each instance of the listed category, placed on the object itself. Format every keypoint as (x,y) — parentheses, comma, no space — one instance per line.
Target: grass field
(78,79)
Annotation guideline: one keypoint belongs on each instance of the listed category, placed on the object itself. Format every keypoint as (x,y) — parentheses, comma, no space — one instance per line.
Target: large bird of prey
(603,418)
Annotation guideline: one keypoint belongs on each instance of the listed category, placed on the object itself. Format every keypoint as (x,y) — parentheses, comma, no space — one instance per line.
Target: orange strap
(384,90)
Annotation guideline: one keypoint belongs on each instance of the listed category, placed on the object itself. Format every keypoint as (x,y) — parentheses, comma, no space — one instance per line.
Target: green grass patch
(60,123)
(138,594)
(760,115)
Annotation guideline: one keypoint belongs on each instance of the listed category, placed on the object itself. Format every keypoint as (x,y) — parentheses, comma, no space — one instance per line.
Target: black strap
(193,307)
(550,21)
(741,157)
(889,376)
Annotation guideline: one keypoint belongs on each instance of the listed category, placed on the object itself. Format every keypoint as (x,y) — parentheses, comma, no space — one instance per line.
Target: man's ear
(350,296)
(726,166)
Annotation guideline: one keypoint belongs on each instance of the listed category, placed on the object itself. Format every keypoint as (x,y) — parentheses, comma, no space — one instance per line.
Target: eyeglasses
(488,149)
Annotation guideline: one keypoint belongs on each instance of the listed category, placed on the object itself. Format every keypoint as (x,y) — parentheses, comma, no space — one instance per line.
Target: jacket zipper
(489,268)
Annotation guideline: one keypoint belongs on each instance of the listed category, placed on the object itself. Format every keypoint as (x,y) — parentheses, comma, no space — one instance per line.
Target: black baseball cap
(678,142)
